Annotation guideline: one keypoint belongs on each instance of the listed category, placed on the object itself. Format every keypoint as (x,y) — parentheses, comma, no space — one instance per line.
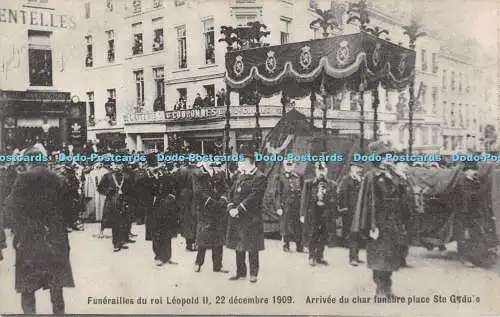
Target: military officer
(289,187)
(347,197)
(318,206)
(380,209)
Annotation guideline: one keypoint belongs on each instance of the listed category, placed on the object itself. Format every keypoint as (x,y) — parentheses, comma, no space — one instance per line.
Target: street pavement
(99,273)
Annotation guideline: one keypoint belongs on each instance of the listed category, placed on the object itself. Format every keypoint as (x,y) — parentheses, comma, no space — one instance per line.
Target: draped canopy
(336,63)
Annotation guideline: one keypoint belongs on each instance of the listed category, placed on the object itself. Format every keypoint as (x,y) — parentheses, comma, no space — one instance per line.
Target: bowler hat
(288,162)
(470,165)
(379,147)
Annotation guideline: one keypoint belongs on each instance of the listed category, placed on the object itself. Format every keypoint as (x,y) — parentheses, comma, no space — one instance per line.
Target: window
(284,31)
(157,34)
(445,113)
(423,94)
(157,3)
(40,58)
(452,80)
(87,10)
(445,142)
(209,36)
(109,5)
(182,95)
(110,106)
(452,114)
(460,82)
(181,47)
(460,115)
(444,79)
(89,58)
(435,136)
(424,60)
(179,3)
(139,86)
(467,115)
(111,45)
(137,32)
(434,63)
(159,78)
(209,96)
(90,101)
(424,135)
(434,100)
(353,101)
(137,6)
(244,19)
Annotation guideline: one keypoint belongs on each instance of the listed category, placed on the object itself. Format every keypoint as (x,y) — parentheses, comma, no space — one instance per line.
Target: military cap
(288,162)
(379,148)
(247,150)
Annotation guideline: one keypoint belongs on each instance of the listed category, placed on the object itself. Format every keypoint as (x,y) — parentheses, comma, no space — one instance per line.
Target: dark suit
(37,203)
(347,198)
(245,232)
(116,204)
(316,217)
(210,206)
(289,188)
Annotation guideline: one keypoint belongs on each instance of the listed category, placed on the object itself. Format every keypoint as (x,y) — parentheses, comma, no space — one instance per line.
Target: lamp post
(413,32)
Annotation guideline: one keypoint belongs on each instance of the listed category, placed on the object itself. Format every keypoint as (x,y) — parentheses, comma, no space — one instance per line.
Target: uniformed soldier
(210,191)
(318,206)
(380,208)
(289,187)
(347,198)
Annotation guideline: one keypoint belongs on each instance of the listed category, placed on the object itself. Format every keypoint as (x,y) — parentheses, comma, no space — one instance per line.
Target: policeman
(289,187)
(319,201)
(347,199)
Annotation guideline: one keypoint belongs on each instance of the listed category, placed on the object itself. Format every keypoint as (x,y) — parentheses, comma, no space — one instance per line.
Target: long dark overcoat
(186,202)
(142,198)
(382,204)
(348,191)
(164,223)
(288,194)
(37,203)
(115,209)
(309,200)
(246,231)
(210,195)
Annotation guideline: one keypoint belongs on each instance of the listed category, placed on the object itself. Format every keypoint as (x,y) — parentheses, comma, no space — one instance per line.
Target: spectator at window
(221,97)
(208,101)
(180,104)
(198,102)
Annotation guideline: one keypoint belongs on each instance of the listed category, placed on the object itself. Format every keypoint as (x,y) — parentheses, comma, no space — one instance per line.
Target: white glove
(374,234)
(233,212)
(302,219)
(279,212)
(320,203)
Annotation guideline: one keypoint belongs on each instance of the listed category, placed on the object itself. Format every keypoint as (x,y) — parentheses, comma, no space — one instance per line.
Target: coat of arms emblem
(238,66)
(343,53)
(271,62)
(403,64)
(376,54)
(305,58)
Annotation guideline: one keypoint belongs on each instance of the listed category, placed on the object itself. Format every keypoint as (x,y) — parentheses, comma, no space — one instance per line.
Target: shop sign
(193,114)
(157,116)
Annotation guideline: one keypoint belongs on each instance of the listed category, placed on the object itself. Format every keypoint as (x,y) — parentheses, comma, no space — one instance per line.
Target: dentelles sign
(33,17)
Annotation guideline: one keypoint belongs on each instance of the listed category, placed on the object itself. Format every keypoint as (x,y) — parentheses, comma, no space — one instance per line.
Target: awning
(338,63)
(36,123)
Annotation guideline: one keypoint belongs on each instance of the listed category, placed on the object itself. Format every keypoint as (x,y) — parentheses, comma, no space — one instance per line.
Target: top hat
(379,148)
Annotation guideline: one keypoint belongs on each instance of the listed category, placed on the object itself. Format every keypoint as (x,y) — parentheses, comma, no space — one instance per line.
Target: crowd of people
(211,206)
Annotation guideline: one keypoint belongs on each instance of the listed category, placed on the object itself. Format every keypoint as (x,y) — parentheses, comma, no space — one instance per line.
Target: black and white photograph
(250,157)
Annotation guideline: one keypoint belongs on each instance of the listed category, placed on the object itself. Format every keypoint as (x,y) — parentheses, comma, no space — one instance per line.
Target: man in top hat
(289,187)
(210,191)
(36,204)
(347,198)
(245,232)
(380,208)
(319,204)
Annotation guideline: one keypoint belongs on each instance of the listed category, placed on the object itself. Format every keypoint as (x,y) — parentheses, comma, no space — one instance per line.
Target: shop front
(39,116)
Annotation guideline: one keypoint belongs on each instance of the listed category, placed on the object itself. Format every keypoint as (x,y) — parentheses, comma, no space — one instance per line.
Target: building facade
(154,70)
(39,79)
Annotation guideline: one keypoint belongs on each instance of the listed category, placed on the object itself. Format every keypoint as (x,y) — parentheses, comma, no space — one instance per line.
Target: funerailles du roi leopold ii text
(43,18)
